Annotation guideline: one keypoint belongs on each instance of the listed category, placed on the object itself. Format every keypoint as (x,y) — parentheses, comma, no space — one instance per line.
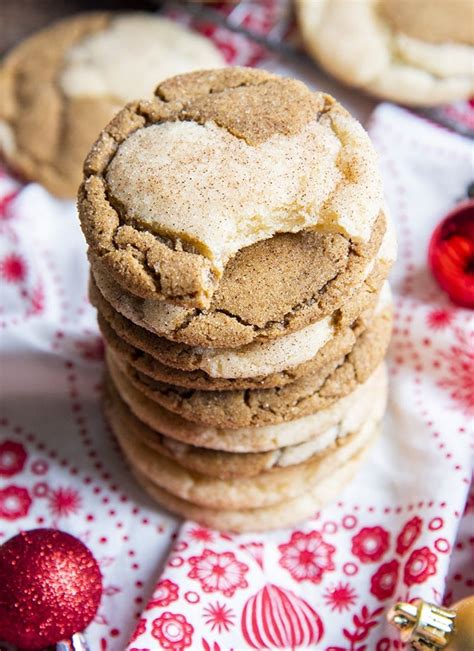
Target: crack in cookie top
(220,160)
(417,52)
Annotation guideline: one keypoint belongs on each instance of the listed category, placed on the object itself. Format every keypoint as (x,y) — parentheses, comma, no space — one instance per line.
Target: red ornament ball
(50,588)
(451,254)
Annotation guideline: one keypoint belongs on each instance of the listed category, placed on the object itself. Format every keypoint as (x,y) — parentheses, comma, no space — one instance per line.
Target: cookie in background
(419,53)
(62,85)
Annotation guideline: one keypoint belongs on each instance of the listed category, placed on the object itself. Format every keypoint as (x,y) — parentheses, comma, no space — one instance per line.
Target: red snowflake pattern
(139,630)
(370,544)
(13,268)
(201,534)
(64,502)
(219,616)
(12,458)
(340,597)
(458,381)
(172,631)
(440,318)
(307,556)
(384,581)
(420,565)
(15,502)
(165,593)
(218,572)
(407,536)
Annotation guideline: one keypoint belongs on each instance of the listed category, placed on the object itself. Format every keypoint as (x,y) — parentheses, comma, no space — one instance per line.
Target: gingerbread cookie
(267,488)
(268,290)
(256,407)
(346,412)
(229,465)
(61,86)
(217,164)
(418,52)
(270,364)
(275,516)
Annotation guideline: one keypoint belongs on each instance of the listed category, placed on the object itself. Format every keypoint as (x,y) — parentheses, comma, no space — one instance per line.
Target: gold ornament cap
(426,626)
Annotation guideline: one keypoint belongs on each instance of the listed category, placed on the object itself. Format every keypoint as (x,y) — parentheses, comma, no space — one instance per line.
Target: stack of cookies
(239,250)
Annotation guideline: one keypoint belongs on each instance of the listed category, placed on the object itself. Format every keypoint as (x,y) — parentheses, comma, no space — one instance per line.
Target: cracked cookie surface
(417,52)
(256,407)
(218,162)
(61,86)
(228,465)
(346,410)
(269,289)
(274,364)
(264,489)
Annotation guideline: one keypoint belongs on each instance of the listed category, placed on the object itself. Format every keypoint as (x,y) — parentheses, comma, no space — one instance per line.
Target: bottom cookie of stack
(256,490)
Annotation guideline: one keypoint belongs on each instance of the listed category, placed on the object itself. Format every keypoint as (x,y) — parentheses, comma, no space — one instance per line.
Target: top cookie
(417,52)
(60,87)
(218,161)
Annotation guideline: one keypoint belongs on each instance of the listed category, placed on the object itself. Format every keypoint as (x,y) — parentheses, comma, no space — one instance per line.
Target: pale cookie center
(264,358)
(128,59)
(217,194)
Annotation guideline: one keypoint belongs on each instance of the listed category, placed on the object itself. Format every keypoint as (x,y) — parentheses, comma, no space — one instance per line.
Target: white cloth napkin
(323,585)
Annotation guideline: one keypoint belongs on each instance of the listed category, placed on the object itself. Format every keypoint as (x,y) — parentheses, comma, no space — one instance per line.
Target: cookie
(417,52)
(346,413)
(217,163)
(61,86)
(257,359)
(257,407)
(228,465)
(270,487)
(276,516)
(269,290)
(273,364)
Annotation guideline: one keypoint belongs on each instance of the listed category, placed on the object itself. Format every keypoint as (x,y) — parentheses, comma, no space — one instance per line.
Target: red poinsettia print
(307,556)
(440,318)
(12,458)
(13,268)
(340,597)
(420,565)
(219,617)
(407,536)
(15,502)
(370,544)
(64,501)
(384,581)
(139,630)
(165,593)
(275,618)
(460,371)
(218,572)
(172,631)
